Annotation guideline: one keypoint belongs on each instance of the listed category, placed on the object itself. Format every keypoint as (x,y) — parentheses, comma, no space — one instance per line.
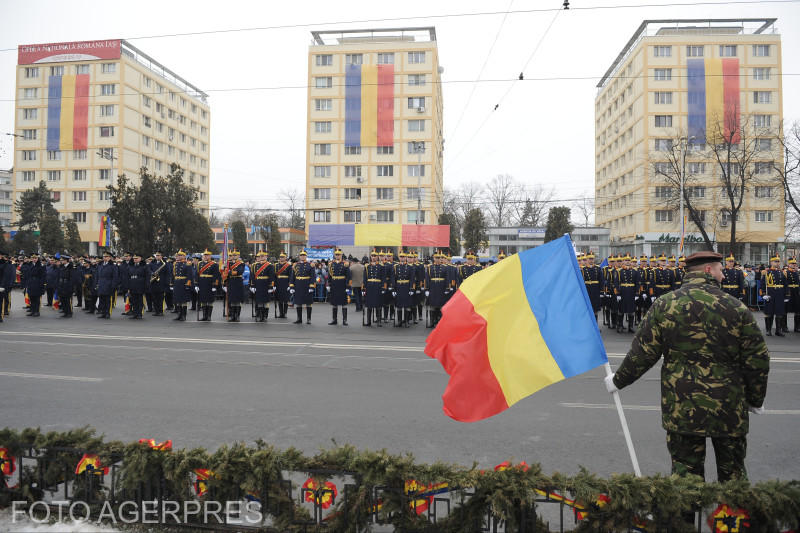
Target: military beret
(699,258)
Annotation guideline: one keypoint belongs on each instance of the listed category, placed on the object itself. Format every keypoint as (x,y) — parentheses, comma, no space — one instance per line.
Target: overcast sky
(541,134)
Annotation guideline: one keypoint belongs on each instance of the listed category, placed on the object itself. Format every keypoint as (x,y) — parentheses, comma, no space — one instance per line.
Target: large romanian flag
(68,112)
(714,106)
(515,328)
(369,105)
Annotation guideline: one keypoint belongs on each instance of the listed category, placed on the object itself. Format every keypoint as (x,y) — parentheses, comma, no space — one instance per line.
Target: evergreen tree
(24,241)
(449,219)
(51,236)
(273,236)
(73,244)
(240,238)
(474,231)
(558,223)
(526,219)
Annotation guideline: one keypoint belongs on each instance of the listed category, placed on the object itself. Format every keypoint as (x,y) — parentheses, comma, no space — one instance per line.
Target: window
(53,175)
(109,68)
(146,100)
(663,74)
(762,167)
(57,71)
(29,155)
(146,161)
(416,57)
(386,58)
(416,170)
(322,216)
(322,194)
(108,111)
(104,196)
(28,175)
(762,97)
(663,121)
(145,140)
(385,150)
(384,193)
(413,193)
(662,168)
(323,104)
(55,196)
(663,145)
(79,175)
(416,146)
(352,150)
(31,72)
(694,51)
(761,73)
(416,217)
(78,196)
(105,174)
(322,172)
(353,59)
(696,146)
(416,79)
(765,145)
(663,215)
(29,114)
(385,216)
(663,97)
(322,149)
(734,191)
(416,102)
(324,60)
(727,50)
(322,127)
(696,192)
(663,192)
(352,171)
(106,131)
(54,155)
(763,216)
(352,216)
(81,69)
(108,89)
(79,217)
(416,125)
(761,50)
(385,171)
(731,169)
(763,191)
(325,82)
(696,168)
(29,135)
(662,51)
(352,194)
(30,93)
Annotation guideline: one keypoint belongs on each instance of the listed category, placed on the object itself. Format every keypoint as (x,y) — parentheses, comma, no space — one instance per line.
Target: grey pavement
(308,386)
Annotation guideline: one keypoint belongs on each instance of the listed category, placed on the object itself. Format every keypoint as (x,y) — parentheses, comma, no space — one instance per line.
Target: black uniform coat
(374,285)
(68,276)
(303,282)
(235,282)
(182,275)
(138,278)
(106,279)
(437,281)
(339,281)
(207,278)
(403,280)
(162,279)
(628,288)
(776,286)
(262,277)
(593,279)
(283,272)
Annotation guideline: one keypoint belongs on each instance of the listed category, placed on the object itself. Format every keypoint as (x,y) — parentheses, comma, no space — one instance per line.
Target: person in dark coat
(206,280)
(374,289)
(419,289)
(234,286)
(775,291)
(626,289)
(437,283)
(159,282)
(138,284)
(182,275)
(52,269)
(593,279)
(35,282)
(106,283)
(69,276)
(339,287)
(283,271)
(7,275)
(89,285)
(302,286)
(262,285)
(403,280)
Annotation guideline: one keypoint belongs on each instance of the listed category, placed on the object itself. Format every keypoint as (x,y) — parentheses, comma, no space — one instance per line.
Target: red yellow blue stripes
(513,329)
(369,105)
(713,98)
(105,232)
(68,112)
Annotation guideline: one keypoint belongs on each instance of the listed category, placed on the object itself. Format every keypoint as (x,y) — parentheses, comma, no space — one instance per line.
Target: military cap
(590,255)
(626,258)
(672,258)
(792,261)
(730,258)
(65,256)
(662,257)
(338,252)
(234,252)
(206,252)
(303,252)
(775,258)
(373,253)
(282,255)
(653,258)
(682,259)
(699,258)
(136,255)
(261,253)
(181,252)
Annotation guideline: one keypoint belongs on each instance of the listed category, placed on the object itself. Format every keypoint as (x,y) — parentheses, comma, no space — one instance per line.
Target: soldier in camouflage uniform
(715,369)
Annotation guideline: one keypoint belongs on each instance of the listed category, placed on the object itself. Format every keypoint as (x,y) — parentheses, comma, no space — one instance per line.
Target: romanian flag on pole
(513,329)
(105,232)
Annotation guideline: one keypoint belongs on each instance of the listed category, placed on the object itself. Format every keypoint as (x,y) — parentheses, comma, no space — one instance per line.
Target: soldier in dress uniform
(123,289)
(302,285)
(606,292)
(89,285)
(437,286)
(35,282)
(470,268)
(283,272)
(138,284)
(262,285)
(628,292)
(663,280)
(106,282)
(339,287)
(733,279)
(374,289)
(386,260)
(7,275)
(67,277)
(234,286)
(593,279)
(775,292)
(642,300)
(159,282)
(419,287)
(206,280)
(403,281)
(182,276)
(793,284)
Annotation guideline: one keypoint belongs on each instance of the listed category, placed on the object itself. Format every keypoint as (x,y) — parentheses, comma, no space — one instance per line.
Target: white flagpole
(625,430)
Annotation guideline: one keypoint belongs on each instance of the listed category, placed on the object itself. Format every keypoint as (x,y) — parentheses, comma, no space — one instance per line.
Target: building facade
(374,138)
(292,240)
(87,112)
(512,240)
(6,200)
(674,92)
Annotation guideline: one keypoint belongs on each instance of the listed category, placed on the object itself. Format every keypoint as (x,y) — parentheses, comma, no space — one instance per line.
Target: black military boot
(344,316)
(378,317)
(209,310)
(266,314)
(785,323)
(779,326)
(299,316)
(308,314)
(180,314)
(796,323)
(368,313)
(768,325)
(335,314)
(630,323)
(620,323)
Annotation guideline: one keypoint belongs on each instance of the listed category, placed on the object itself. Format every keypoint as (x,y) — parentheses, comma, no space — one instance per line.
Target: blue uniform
(138,284)
(235,282)
(262,279)
(182,275)
(339,281)
(303,283)
(106,282)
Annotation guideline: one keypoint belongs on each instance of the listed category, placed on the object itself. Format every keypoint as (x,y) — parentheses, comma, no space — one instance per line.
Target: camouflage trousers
(688,454)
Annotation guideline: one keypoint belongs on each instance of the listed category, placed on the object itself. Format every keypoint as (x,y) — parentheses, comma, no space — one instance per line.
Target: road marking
(658,408)
(49,376)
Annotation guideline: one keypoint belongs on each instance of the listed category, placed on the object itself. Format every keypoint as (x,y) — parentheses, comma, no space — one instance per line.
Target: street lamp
(110,156)
(419,149)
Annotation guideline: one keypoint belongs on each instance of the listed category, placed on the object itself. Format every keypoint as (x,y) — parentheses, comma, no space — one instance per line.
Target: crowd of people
(401,290)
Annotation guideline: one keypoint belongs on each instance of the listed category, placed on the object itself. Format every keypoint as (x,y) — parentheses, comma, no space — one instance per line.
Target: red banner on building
(74,51)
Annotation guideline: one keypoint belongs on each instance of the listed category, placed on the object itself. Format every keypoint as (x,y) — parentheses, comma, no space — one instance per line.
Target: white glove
(610,387)
(291,291)
(652,298)
(427,293)
(271,290)
(786,300)
(224,289)
(327,287)
(636,299)
(418,291)
(172,288)
(619,298)
(394,294)
(197,289)
(2,289)
(311,289)
(253,290)
(213,289)
(411,293)
(348,292)
(757,410)
(767,298)
(383,291)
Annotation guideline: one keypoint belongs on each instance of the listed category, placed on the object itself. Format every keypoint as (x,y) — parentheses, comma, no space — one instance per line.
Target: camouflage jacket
(715,359)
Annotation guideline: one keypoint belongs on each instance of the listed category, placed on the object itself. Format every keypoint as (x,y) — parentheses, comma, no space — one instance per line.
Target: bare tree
(502,194)
(789,171)
(293,204)
(469,198)
(532,206)
(584,207)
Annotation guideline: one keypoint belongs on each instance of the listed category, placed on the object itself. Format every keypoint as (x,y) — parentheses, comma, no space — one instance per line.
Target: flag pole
(624,423)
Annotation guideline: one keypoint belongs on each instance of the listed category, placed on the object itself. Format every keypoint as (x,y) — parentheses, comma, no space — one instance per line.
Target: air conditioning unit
(359,180)
(421,109)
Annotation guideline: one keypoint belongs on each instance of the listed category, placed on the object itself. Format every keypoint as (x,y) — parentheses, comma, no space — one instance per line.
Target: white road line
(49,376)
(658,408)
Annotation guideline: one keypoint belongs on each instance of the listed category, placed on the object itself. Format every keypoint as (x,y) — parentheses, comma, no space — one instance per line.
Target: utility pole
(419,149)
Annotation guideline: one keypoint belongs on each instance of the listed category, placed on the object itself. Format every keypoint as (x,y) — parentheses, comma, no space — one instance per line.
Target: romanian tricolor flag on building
(105,232)
(369,105)
(714,106)
(68,112)
(515,328)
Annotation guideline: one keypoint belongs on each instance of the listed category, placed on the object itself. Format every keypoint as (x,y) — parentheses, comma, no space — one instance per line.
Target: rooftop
(377,35)
(137,55)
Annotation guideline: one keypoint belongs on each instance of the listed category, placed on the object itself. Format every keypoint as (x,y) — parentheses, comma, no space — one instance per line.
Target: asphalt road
(206,384)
